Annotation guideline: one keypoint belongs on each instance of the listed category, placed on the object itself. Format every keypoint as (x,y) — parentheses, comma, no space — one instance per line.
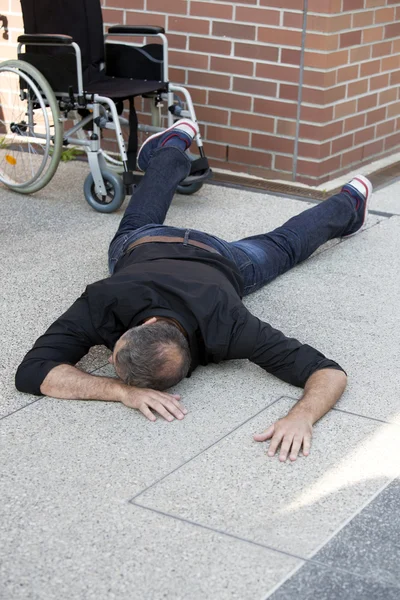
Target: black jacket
(199,289)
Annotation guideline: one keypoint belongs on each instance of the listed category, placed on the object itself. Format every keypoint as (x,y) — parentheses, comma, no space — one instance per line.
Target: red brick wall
(240,60)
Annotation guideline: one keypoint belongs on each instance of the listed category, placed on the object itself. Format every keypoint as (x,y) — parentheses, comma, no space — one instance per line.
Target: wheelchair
(68,88)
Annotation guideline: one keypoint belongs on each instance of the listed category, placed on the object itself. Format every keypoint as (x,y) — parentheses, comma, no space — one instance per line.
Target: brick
(257,15)
(323,97)
(365,135)
(390,63)
(188,59)
(354,122)
(342,143)
(360,54)
(283,163)
(177,41)
(216,150)
(252,122)
(384,15)
(376,115)
(291,92)
(347,73)
(275,107)
(353,4)
(177,75)
(317,41)
(357,88)
(317,114)
(345,108)
(382,49)
(309,150)
(211,10)
(209,80)
(395,78)
(272,143)
(188,25)
(209,46)
(250,157)
(387,96)
(351,38)
(178,7)
(325,6)
(281,37)
(373,148)
(353,156)
(278,72)
(136,18)
(110,17)
(321,132)
(318,23)
(386,128)
(363,19)
(392,140)
(233,30)
(370,68)
(323,79)
(231,65)
(379,81)
(374,3)
(256,51)
(212,115)
(290,4)
(290,57)
(287,128)
(199,96)
(319,60)
(293,20)
(393,110)
(392,30)
(132,4)
(254,87)
(367,102)
(229,100)
(373,34)
(228,136)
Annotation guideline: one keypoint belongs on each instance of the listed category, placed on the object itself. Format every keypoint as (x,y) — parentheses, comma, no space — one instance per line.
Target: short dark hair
(156,356)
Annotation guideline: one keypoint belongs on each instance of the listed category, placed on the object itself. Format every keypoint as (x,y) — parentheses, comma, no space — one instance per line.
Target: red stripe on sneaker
(365,186)
(191,127)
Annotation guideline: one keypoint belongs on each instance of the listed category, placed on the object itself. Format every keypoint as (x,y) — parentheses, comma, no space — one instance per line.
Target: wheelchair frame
(104,115)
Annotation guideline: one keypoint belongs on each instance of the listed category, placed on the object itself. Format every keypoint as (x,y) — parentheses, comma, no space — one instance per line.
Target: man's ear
(150,321)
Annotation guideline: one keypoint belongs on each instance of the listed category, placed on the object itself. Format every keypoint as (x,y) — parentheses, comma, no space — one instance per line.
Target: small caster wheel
(187,189)
(115,193)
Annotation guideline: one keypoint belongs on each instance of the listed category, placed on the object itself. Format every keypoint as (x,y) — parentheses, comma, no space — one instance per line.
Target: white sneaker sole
(365,182)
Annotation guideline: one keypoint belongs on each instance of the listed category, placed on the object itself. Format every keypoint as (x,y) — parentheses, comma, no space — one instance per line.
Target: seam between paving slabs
(132,500)
(20,408)
(304,559)
(311,560)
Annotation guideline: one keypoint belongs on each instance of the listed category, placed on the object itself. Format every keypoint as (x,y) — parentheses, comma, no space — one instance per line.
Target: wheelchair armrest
(45,38)
(135,30)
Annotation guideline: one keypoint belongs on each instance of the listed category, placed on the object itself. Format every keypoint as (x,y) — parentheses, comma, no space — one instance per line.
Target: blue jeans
(259,258)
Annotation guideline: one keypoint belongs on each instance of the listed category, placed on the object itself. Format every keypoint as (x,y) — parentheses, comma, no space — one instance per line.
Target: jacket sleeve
(66,341)
(284,357)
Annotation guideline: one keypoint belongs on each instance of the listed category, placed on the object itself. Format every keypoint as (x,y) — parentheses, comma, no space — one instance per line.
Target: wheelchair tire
(31,133)
(190,188)
(115,193)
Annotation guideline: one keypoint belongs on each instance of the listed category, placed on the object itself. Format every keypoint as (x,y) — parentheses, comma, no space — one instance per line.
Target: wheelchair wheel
(115,193)
(189,188)
(31,134)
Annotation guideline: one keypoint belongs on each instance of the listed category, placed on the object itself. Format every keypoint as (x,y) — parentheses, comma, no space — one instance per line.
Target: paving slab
(345,303)
(68,470)
(87,552)
(235,488)
(387,199)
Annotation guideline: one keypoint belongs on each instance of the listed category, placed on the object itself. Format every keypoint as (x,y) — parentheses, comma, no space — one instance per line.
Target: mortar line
(349,412)
(204,450)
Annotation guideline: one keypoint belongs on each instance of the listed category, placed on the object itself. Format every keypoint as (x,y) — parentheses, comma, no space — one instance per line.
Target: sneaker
(359,188)
(183,130)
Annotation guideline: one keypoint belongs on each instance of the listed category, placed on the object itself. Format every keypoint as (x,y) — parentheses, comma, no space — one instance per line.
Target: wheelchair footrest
(199,171)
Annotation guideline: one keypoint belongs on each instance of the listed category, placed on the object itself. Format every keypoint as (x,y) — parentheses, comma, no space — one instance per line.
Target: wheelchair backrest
(81,19)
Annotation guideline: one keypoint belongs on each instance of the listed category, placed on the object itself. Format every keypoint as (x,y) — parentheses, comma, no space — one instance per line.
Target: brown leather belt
(165,239)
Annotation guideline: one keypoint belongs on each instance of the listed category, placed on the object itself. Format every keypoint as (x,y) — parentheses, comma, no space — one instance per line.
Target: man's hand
(147,400)
(292,433)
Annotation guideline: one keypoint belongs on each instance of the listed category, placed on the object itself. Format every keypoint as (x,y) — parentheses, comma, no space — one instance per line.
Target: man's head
(154,355)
